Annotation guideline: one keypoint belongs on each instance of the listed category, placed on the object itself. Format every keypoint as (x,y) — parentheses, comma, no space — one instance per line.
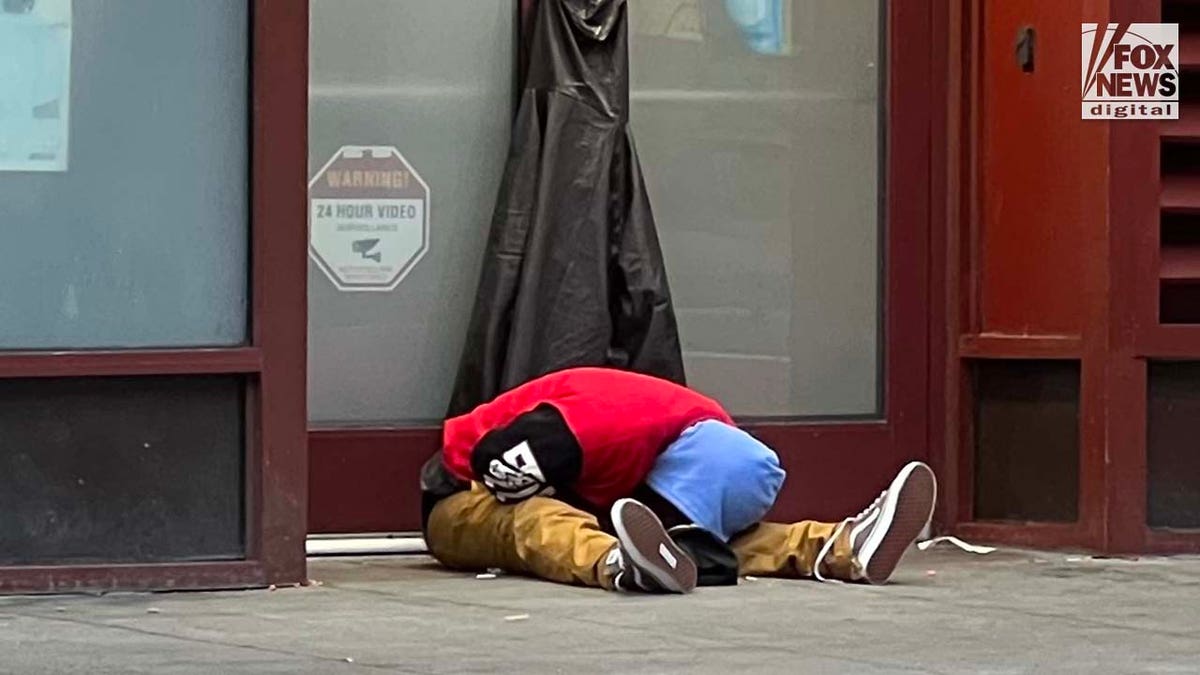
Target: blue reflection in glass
(764,24)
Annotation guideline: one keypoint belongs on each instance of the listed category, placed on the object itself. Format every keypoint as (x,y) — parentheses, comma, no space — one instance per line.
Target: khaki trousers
(550,539)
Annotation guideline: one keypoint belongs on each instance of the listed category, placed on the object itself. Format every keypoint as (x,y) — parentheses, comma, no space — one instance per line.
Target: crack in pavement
(805,651)
(215,642)
(718,644)
(1065,618)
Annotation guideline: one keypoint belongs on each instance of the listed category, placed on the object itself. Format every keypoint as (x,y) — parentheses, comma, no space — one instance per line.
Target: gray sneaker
(882,533)
(646,558)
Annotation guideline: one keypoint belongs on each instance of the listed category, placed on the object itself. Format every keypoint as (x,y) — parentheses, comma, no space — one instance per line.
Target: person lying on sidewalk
(520,479)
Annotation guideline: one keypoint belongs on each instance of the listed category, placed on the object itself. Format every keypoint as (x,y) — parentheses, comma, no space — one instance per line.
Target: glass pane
(433,79)
(1026,440)
(123,215)
(758,127)
(121,470)
(1172,460)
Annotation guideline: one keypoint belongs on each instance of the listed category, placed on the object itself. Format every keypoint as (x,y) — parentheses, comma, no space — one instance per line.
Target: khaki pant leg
(471,530)
(561,543)
(791,550)
(539,537)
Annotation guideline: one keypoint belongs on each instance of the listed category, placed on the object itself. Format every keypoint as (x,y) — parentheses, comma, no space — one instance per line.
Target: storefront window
(431,82)
(758,124)
(122,469)
(123,173)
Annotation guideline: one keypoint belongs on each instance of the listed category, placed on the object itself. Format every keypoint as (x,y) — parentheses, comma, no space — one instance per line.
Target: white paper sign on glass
(35,84)
(368,218)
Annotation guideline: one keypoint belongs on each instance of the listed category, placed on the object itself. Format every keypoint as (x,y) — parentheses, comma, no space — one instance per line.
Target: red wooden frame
(1122,332)
(365,480)
(1138,337)
(958,325)
(274,362)
(835,468)
(136,362)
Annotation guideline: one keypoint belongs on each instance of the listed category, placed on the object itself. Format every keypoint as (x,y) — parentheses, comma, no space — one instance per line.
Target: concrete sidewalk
(1008,612)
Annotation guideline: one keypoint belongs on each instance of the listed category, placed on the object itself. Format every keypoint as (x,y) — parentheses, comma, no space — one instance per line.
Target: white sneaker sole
(904,513)
(650,548)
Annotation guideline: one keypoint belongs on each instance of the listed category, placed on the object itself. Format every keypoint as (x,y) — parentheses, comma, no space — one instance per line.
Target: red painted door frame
(1121,330)
(978,316)
(1137,335)
(273,362)
(366,479)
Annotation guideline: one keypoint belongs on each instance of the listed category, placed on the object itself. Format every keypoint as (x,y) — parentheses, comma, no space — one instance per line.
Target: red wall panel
(1043,172)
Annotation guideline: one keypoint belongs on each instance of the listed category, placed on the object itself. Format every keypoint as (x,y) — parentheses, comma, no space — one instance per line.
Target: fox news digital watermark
(1131,71)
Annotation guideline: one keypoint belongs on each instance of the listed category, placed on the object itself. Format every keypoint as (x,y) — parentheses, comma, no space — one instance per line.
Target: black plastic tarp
(573,274)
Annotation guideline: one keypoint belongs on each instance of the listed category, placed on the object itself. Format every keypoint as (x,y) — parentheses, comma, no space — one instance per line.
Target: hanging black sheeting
(573,274)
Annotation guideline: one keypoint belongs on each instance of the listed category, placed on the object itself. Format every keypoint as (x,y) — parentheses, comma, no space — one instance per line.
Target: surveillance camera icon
(363,247)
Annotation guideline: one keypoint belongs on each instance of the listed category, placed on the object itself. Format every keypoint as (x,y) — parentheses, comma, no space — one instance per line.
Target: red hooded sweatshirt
(592,431)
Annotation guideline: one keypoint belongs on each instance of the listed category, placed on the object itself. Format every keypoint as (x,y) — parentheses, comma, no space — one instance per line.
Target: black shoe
(647,558)
(716,563)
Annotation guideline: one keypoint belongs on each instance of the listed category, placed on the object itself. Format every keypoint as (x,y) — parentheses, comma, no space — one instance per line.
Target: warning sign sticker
(368,218)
